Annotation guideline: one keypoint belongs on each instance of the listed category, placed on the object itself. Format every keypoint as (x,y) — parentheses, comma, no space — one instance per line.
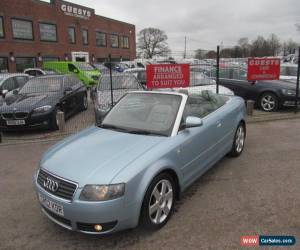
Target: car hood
(27,101)
(96,156)
(287,84)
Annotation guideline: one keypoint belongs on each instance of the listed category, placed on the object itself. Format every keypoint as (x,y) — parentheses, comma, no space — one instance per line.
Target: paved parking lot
(258,193)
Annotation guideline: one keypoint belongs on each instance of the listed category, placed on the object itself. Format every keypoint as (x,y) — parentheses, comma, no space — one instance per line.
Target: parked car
(121,84)
(268,95)
(39,100)
(82,70)
(149,148)
(39,72)
(101,67)
(10,82)
(288,72)
(198,82)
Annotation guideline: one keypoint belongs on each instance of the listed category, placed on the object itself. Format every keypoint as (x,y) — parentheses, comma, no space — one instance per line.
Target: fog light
(98,227)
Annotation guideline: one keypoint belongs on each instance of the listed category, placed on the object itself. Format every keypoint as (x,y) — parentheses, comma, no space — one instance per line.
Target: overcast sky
(205,23)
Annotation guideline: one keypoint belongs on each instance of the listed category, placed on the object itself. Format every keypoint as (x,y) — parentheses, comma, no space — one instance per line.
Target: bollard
(250,107)
(61,121)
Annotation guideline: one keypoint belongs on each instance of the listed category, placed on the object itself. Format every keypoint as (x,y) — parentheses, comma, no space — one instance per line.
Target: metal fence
(216,73)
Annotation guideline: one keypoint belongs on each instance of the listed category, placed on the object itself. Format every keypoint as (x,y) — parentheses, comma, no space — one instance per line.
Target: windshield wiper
(145,132)
(113,127)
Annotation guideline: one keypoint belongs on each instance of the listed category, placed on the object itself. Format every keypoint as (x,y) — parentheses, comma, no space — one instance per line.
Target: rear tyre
(158,202)
(269,102)
(239,141)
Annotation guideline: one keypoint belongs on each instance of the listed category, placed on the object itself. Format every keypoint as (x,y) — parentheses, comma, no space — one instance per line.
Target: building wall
(38,11)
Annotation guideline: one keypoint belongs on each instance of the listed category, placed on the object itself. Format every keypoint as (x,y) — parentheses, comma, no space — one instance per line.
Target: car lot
(257,193)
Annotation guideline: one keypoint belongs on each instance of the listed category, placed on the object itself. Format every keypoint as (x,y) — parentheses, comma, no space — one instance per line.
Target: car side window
(38,73)
(31,72)
(21,80)
(71,67)
(200,105)
(9,84)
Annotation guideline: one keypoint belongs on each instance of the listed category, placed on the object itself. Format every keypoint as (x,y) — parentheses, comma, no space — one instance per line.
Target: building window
(25,63)
(71,35)
(50,58)
(125,42)
(85,37)
(48,32)
(1,27)
(22,29)
(3,65)
(114,41)
(100,39)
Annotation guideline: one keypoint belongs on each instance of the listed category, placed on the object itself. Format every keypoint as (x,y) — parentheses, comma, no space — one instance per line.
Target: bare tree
(245,46)
(289,47)
(152,42)
(200,54)
(274,44)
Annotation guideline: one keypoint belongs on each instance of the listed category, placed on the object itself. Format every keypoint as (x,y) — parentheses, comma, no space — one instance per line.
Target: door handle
(219,124)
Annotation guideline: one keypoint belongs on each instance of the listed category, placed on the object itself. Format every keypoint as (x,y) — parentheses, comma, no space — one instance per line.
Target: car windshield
(144,113)
(121,81)
(198,79)
(42,85)
(84,66)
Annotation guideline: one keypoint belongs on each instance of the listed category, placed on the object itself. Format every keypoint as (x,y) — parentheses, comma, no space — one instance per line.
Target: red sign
(250,241)
(168,76)
(263,69)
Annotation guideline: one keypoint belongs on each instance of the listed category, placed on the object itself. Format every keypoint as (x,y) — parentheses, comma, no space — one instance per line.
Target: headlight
(102,106)
(102,192)
(42,109)
(289,92)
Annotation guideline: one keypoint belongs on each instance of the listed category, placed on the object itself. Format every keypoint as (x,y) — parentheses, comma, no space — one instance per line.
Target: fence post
(250,107)
(61,121)
(111,84)
(218,69)
(297,84)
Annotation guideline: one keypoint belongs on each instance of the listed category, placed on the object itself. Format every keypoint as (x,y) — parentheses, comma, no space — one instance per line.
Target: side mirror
(68,91)
(4,92)
(192,122)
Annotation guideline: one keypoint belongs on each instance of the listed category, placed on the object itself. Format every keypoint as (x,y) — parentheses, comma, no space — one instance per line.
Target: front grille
(66,189)
(58,218)
(21,115)
(90,227)
(8,116)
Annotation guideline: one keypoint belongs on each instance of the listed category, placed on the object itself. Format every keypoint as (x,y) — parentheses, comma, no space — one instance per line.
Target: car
(121,84)
(131,168)
(39,72)
(101,67)
(269,95)
(37,103)
(82,70)
(288,71)
(11,81)
(198,82)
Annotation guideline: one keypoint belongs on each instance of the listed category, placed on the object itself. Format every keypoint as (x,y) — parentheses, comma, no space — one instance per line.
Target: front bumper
(82,216)
(31,122)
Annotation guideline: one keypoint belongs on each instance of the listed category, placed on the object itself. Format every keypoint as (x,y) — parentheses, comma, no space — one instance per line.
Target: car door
(69,96)
(200,148)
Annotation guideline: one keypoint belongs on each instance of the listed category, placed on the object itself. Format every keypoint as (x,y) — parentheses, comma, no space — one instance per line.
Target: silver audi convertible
(131,168)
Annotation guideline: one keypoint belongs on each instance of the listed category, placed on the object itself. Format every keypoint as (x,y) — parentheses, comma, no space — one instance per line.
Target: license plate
(15,122)
(51,205)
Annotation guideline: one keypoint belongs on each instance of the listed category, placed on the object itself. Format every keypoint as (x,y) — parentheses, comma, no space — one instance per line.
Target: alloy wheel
(240,139)
(268,103)
(161,201)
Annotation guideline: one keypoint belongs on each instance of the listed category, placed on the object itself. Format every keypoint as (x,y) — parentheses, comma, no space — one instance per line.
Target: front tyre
(239,141)
(54,122)
(269,102)
(158,203)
